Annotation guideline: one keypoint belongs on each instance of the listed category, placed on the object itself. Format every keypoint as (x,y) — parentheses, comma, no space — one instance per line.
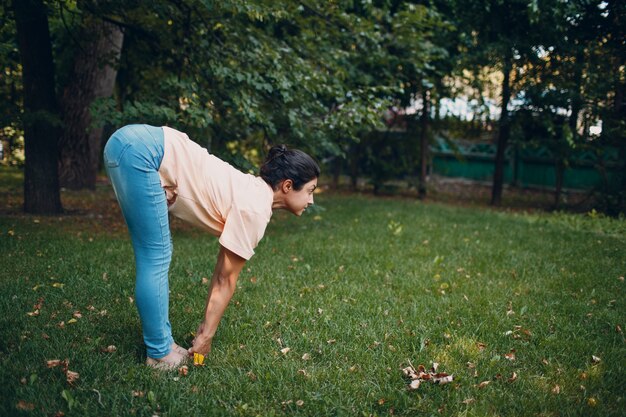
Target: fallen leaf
(420,375)
(592,402)
(481,346)
(299,403)
(205,280)
(138,393)
(24,406)
(284,351)
(511,355)
(71,376)
(556,389)
(56,362)
(331,341)
(415,384)
(72,321)
(513,377)
(183,370)
(251,376)
(306,357)
(109,349)
(442,378)
(483,384)
(468,401)
(595,359)
(77,314)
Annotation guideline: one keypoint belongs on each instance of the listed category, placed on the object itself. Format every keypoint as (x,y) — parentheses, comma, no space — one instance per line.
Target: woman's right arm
(221,290)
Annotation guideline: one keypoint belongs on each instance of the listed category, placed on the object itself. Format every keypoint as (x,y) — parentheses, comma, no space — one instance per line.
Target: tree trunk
(93,77)
(424,119)
(503,134)
(41,113)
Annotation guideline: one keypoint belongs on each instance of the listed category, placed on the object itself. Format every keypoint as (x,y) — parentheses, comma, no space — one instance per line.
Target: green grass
(363,287)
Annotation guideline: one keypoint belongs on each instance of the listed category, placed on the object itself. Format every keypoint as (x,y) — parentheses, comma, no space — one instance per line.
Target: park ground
(524,308)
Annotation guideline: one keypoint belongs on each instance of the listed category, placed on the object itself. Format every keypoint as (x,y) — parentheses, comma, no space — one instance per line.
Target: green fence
(525,167)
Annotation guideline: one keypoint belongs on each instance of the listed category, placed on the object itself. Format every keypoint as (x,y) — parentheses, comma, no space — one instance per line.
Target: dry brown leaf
(481,346)
(415,384)
(331,341)
(109,349)
(511,355)
(56,362)
(251,376)
(24,406)
(284,351)
(556,389)
(299,403)
(484,384)
(468,401)
(306,357)
(71,376)
(183,370)
(513,377)
(77,314)
(138,393)
(421,375)
(442,378)
(595,359)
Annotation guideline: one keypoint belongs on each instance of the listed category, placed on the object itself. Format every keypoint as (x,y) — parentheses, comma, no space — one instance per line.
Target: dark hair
(288,164)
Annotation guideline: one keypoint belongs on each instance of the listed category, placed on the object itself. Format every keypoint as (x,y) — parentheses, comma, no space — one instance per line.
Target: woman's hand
(202,342)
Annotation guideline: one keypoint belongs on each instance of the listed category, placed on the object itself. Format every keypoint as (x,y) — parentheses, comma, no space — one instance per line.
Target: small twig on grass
(99,397)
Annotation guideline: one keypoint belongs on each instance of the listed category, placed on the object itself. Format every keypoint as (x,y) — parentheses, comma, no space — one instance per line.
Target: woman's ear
(286,186)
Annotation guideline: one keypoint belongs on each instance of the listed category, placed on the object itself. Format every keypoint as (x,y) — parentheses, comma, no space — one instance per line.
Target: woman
(154,170)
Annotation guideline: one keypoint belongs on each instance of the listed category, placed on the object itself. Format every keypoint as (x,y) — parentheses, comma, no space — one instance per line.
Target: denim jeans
(132,157)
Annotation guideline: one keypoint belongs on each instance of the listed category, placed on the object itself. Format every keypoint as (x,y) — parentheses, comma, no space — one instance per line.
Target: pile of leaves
(415,377)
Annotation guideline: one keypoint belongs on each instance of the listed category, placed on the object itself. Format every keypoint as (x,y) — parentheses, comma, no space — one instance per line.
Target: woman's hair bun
(282,164)
(276,151)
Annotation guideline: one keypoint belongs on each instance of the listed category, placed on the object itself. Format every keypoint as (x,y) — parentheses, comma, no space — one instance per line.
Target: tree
(41,117)
(92,77)
(498,34)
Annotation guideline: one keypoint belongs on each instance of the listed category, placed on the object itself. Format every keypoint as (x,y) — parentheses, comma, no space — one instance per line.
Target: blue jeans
(132,157)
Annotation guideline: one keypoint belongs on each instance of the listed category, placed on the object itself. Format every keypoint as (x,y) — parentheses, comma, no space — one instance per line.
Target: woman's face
(297,201)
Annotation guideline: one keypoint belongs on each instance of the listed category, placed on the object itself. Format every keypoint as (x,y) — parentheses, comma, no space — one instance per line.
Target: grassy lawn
(525,310)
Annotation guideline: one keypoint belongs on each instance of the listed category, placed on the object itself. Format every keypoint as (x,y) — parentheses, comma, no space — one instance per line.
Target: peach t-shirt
(211,194)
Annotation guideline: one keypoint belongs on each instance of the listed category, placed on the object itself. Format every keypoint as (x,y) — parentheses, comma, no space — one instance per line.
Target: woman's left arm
(221,290)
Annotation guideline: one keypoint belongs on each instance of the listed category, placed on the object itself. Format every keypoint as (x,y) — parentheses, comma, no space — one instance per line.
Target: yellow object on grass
(198,359)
